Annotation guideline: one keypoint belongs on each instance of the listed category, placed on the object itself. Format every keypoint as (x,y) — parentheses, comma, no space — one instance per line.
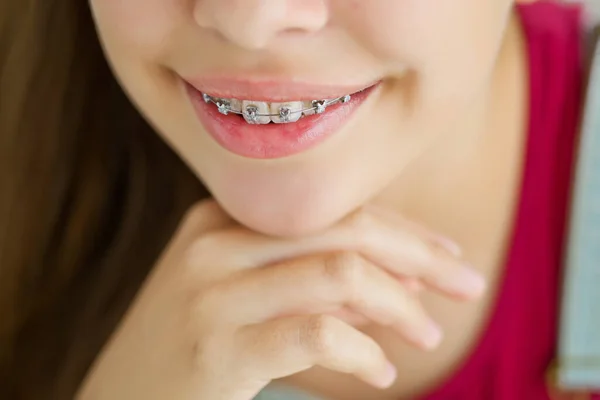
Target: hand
(227,310)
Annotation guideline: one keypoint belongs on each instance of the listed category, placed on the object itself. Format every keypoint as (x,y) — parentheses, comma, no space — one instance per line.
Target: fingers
(351,317)
(403,249)
(202,217)
(408,250)
(325,284)
(437,258)
(435,239)
(290,345)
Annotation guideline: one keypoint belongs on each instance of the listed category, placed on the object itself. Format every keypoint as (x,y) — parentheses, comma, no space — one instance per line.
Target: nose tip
(254,24)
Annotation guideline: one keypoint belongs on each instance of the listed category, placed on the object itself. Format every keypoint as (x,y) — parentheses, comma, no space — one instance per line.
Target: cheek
(396,28)
(460,55)
(138,29)
(448,44)
(381,26)
(138,36)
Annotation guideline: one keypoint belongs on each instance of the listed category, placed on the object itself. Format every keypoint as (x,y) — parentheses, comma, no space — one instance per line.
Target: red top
(512,358)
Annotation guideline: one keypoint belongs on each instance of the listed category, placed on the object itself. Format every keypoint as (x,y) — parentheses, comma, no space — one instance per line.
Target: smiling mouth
(264,129)
(260,112)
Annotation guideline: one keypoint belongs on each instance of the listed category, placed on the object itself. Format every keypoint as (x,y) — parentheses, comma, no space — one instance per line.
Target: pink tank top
(519,343)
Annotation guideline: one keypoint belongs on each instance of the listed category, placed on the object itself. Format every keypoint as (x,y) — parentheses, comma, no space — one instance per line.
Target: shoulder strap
(579,344)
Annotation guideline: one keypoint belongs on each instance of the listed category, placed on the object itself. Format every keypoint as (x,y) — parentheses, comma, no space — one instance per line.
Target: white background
(593,7)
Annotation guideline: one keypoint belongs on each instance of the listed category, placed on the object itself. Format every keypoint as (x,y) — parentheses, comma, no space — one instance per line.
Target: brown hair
(89,195)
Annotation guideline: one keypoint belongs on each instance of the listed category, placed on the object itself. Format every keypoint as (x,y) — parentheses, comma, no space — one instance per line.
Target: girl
(359,199)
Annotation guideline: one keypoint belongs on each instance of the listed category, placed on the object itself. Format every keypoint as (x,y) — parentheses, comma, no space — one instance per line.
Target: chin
(282,218)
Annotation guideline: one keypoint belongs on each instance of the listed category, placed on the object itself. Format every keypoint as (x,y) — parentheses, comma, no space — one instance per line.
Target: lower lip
(272,141)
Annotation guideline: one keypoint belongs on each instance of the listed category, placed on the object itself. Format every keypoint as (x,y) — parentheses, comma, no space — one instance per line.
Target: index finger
(397,247)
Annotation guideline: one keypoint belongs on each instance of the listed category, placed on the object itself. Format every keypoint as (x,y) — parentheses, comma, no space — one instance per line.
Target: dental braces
(251,113)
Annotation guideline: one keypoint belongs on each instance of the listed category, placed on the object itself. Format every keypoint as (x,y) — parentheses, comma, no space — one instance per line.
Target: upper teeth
(260,112)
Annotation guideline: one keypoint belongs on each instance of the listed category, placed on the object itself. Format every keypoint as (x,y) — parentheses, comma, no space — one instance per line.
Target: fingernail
(463,281)
(472,281)
(432,335)
(389,377)
(427,335)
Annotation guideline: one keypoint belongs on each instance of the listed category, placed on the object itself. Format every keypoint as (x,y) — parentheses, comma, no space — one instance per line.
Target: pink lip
(272,90)
(273,140)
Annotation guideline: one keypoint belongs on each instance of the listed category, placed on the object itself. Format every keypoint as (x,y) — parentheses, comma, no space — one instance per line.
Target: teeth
(286,112)
(250,108)
(236,105)
(307,105)
(260,112)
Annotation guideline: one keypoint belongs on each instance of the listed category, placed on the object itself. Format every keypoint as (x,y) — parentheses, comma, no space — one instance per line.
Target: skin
(447,122)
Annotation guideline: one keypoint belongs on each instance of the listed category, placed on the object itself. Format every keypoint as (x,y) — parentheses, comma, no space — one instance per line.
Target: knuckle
(346,270)
(206,243)
(358,220)
(361,227)
(199,212)
(318,335)
(201,354)
(204,306)
(205,249)
(206,352)
(216,248)
(205,329)
(205,215)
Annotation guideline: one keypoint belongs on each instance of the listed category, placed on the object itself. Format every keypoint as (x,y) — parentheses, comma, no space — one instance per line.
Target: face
(423,64)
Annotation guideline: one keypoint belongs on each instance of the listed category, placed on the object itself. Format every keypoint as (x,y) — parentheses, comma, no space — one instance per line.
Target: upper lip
(272,89)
